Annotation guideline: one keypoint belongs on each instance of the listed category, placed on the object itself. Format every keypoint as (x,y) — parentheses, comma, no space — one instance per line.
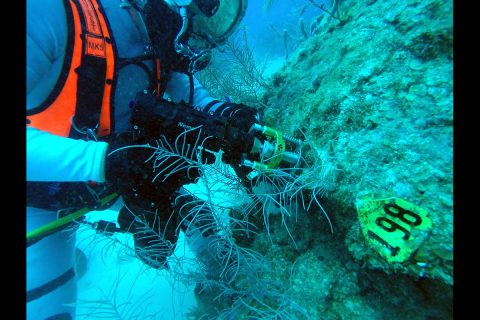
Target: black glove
(148,212)
(131,166)
(242,115)
(127,168)
(240,119)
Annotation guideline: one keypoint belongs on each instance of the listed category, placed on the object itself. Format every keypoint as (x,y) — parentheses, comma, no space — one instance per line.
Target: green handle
(57,224)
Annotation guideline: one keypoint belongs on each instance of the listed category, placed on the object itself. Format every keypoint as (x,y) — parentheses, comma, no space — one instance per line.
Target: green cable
(53,226)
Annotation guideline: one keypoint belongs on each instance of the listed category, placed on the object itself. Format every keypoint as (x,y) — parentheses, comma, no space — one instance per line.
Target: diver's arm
(178,88)
(54,158)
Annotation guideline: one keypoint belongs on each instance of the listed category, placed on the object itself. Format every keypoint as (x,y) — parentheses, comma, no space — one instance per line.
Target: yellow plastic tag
(394,227)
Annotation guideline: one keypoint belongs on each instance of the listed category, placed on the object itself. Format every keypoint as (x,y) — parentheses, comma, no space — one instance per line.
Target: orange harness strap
(84,90)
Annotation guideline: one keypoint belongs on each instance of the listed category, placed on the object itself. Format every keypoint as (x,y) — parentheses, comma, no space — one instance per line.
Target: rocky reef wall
(375,90)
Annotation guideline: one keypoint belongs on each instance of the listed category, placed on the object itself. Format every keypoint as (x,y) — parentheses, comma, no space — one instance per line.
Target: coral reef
(378,95)
(235,73)
(374,91)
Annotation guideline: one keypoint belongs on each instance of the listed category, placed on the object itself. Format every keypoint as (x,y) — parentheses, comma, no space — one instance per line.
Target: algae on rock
(375,92)
(378,93)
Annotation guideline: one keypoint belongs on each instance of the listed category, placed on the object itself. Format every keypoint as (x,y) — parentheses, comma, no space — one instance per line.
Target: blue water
(283,14)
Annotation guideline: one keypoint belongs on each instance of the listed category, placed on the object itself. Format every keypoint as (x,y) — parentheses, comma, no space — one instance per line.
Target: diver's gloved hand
(131,165)
(240,119)
(242,115)
(126,164)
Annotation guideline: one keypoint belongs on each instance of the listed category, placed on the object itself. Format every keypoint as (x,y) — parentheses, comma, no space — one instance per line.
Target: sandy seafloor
(118,279)
(109,276)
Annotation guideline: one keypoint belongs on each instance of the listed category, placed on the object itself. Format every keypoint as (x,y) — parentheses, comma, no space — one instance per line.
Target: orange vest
(84,89)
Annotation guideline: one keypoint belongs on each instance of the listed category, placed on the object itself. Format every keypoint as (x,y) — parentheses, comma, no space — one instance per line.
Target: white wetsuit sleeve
(178,88)
(54,158)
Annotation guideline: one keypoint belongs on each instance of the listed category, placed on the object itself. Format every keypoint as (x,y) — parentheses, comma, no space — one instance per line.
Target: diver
(87,61)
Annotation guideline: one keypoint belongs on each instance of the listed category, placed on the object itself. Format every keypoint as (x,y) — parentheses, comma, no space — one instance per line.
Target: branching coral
(332,11)
(234,72)
(218,216)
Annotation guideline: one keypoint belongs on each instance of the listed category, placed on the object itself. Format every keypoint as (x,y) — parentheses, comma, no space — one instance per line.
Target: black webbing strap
(91,83)
(91,76)
(48,287)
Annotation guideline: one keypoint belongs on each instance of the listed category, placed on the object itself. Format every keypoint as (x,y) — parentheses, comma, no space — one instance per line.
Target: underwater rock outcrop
(372,91)
(375,92)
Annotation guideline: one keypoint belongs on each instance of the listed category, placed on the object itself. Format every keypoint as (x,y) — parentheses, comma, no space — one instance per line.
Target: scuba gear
(232,128)
(202,25)
(208,7)
(213,20)
(198,58)
(154,212)
(162,26)
(212,23)
(217,27)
